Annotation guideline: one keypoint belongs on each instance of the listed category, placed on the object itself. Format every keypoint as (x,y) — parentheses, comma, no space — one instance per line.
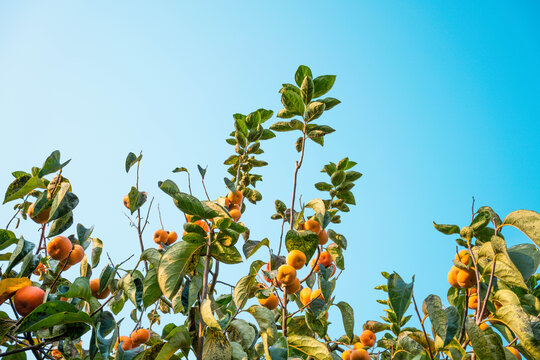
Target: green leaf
(283,126)
(153,256)
(83,233)
(444,326)
(208,315)
(505,270)
(292,102)
(132,285)
(132,159)
(250,247)
(216,346)
(526,257)
(306,89)
(526,327)
(399,294)
(52,164)
(322,186)
(337,177)
(185,202)
(323,84)
(347,314)
(527,221)
(23,248)
(243,290)
(7,238)
(446,229)
(97,248)
(329,102)
(337,256)
(151,289)
(106,277)
(227,255)
(79,289)
(53,313)
(339,239)
(241,332)
(303,240)
(266,322)
(136,199)
(22,186)
(314,110)
(175,263)
(301,73)
(60,225)
(309,346)
(486,345)
(177,339)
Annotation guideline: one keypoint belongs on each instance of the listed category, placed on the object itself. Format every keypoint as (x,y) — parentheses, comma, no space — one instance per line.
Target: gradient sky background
(439,104)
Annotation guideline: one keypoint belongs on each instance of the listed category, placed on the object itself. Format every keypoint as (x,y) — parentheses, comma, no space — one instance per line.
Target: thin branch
(159,213)
(63,267)
(284,312)
(281,235)
(148,215)
(297,167)
(314,265)
(214,278)
(204,187)
(465,311)
(105,303)
(204,293)
(423,328)
(481,313)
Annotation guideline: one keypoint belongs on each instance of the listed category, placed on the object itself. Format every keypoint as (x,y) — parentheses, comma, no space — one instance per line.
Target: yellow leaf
(8,287)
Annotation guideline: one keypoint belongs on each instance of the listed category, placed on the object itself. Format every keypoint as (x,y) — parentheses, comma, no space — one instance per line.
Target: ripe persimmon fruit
(514,352)
(126,201)
(270,302)
(466,278)
(160,236)
(40,218)
(171,237)
(360,354)
(323,237)
(286,274)
(140,336)
(317,294)
(368,338)
(294,287)
(127,344)
(236,197)
(325,259)
(94,286)
(346,355)
(305,296)
(452,277)
(77,254)
(296,259)
(235,212)
(312,225)
(463,256)
(27,299)
(59,247)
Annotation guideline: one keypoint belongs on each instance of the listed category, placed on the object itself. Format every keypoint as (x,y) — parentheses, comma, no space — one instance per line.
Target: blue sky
(439,104)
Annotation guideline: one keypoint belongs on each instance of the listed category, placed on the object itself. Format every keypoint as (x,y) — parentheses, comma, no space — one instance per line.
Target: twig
(281,235)
(204,293)
(423,328)
(297,167)
(159,213)
(472,218)
(204,187)
(214,278)
(105,303)
(148,215)
(314,265)
(481,313)
(284,312)
(465,311)
(66,261)
(33,347)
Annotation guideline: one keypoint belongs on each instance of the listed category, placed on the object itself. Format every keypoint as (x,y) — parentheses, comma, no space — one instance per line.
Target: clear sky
(440,102)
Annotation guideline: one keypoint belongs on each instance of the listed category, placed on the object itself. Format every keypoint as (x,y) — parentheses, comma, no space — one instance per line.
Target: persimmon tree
(278,309)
